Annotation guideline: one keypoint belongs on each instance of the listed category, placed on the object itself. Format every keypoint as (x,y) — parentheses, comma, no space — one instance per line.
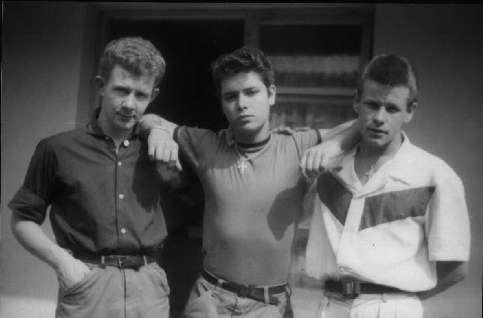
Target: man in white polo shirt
(390,224)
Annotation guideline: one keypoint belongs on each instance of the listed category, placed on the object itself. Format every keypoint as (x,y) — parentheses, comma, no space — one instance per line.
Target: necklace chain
(368,174)
(372,167)
(243,159)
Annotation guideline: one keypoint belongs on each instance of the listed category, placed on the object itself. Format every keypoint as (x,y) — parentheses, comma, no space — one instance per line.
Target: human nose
(242,102)
(380,115)
(129,102)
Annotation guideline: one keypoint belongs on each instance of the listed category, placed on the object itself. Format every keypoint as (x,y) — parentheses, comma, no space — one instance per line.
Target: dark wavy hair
(245,59)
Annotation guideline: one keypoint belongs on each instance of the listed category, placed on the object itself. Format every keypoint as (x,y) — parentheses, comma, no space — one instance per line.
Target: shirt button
(121,196)
(126,143)
(119,163)
(123,231)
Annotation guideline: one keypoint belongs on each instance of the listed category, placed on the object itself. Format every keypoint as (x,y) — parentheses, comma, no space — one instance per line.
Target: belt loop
(145,260)
(288,290)
(219,283)
(103,262)
(266,298)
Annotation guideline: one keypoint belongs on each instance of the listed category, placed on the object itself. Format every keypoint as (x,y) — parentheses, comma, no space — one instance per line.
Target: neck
(253,147)
(249,138)
(388,150)
(117,135)
(370,158)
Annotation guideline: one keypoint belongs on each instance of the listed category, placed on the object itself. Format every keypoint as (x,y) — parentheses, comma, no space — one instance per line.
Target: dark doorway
(187,97)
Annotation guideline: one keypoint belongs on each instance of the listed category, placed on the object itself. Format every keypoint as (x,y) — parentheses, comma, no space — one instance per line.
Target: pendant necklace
(368,174)
(373,167)
(253,149)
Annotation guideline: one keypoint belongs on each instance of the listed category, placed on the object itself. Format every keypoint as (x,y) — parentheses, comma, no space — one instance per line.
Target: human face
(382,110)
(246,103)
(125,97)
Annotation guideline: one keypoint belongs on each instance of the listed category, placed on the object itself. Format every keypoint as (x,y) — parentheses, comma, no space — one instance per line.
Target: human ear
(272,93)
(100,84)
(411,108)
(154,94)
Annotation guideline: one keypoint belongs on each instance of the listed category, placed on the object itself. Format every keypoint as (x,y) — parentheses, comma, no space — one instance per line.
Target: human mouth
(377,131)
(126,117)
(244,117)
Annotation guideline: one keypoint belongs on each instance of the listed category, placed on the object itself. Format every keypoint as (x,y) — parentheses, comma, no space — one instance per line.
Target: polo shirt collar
(93,127)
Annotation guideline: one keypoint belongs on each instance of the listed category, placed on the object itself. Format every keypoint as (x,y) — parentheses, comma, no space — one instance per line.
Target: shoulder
(429,160)
(423,163)
(299,137)
(66,136)
(199,138)
(185,132)
(62,139)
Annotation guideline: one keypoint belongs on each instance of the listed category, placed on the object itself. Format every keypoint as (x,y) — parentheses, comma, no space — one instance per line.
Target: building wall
(444,43)
(41,66)
(44,90)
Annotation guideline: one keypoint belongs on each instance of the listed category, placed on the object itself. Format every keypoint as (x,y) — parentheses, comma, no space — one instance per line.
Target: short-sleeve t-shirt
(253,202)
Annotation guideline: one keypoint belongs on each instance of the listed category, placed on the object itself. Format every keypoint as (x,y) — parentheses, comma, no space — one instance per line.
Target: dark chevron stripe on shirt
(383,208)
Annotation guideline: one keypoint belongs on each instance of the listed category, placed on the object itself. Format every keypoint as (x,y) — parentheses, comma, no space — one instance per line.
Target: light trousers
(391,305)
(111,292)
(209,301)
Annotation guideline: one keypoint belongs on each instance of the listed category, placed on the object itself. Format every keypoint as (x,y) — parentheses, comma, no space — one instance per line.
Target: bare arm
(334,141)
(150,121)
(161,145)
(29,234)
(449,273)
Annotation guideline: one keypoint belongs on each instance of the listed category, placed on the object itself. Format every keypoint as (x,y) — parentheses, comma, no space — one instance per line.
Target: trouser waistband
(264,294)
(351,288)
(120,261)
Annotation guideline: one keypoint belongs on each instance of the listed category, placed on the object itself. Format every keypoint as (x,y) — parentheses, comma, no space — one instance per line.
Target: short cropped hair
(245,59)
(391,70)
(134,54)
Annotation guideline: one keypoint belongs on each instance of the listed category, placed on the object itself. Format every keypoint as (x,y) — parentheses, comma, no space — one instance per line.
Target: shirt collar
(396,169)
(95,129)
(400,166)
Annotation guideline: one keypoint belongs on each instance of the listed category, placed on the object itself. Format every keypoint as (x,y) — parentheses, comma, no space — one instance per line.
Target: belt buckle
(244,291)
(125,261)
(350,288)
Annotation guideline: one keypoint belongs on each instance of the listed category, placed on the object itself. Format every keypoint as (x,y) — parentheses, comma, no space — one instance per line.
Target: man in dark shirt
(103,194)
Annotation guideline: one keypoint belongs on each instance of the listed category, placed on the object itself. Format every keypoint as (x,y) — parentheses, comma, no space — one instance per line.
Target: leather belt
(120,261)
(350,288)
(263,294)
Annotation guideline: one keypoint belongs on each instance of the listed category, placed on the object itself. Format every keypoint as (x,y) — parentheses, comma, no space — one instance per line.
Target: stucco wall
(42,47)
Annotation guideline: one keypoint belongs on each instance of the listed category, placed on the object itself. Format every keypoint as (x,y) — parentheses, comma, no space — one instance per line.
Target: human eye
(392,109)
(371,105)
(121,90)
(229,96)
(252,92)
(142,96)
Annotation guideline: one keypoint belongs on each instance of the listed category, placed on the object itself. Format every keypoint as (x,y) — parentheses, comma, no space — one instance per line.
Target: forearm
(347,135)
(150,121)
(32,237)
(449,273)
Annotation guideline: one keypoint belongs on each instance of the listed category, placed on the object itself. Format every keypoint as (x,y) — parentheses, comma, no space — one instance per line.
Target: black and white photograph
(251,160)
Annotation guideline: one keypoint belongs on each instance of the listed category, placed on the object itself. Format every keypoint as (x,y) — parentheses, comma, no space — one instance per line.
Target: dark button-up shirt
(101,201)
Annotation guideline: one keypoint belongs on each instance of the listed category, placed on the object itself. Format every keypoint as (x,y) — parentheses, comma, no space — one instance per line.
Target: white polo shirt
(393,229)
